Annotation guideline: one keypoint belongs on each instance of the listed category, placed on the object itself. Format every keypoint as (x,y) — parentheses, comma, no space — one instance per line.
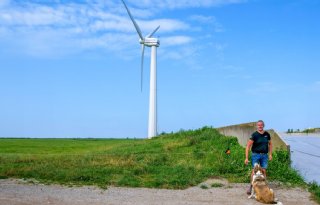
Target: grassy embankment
(174,161)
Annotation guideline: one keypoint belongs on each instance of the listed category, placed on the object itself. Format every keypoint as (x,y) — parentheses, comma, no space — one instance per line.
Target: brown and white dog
(260,190)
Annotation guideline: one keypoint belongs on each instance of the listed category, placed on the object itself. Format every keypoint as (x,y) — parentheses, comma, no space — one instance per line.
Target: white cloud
(208,21)
(203,19)
(116,23)
(4,3)
(44,43)
(169,4)
(186,52)
(70,28)
(176,40)
(37,16)
(167,25)
(44,27)
(109,41)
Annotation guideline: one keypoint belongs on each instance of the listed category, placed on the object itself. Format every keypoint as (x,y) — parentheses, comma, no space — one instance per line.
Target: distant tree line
(293,131)
(309,130)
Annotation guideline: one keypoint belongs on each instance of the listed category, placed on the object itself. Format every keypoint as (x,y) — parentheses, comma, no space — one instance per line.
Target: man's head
(260,125)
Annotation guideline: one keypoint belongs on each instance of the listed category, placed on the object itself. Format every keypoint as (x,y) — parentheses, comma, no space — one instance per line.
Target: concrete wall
(244,131)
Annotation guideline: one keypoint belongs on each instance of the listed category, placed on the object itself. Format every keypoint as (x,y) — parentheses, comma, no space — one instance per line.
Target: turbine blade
(153,32)
(133,21)
(142,59)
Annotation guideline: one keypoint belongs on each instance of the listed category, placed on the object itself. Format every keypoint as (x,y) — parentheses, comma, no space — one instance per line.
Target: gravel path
(18,192)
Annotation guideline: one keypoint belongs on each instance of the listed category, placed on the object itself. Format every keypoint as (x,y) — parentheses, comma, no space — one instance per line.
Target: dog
(260,190)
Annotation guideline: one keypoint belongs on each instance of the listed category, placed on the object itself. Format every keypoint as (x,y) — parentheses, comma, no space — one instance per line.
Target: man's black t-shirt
(260,142)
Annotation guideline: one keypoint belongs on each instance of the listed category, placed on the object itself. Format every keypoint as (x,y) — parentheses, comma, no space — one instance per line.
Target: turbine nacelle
(150,42)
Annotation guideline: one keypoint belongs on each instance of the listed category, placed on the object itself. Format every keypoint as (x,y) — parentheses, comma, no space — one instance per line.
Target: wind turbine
(149,41)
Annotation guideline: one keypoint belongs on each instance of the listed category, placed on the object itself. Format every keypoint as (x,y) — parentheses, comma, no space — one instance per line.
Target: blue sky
(72,68)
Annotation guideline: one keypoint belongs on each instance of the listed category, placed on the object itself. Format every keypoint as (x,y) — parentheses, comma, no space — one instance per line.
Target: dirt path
(17,192)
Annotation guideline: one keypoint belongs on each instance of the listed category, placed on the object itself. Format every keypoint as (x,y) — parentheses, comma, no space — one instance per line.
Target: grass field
(174,161)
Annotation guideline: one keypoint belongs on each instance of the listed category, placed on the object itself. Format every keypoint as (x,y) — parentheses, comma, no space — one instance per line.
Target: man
(261,146)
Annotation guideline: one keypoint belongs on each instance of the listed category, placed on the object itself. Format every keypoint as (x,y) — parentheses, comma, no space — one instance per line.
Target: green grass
(204,186)
(216,185)
(315,190)
(174,161)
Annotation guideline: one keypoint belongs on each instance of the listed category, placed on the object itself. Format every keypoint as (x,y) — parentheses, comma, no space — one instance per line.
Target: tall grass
(174,161)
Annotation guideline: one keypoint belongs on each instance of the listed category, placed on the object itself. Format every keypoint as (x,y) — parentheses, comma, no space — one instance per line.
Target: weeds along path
(18,192)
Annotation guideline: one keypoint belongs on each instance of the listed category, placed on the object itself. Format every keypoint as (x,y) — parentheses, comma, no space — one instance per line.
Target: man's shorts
(260,158)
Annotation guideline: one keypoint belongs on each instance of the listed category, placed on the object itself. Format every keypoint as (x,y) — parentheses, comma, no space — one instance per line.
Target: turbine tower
(149,41)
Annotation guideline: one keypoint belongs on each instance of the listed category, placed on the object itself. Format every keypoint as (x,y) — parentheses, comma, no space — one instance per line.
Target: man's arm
(249,145)
(270,150)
